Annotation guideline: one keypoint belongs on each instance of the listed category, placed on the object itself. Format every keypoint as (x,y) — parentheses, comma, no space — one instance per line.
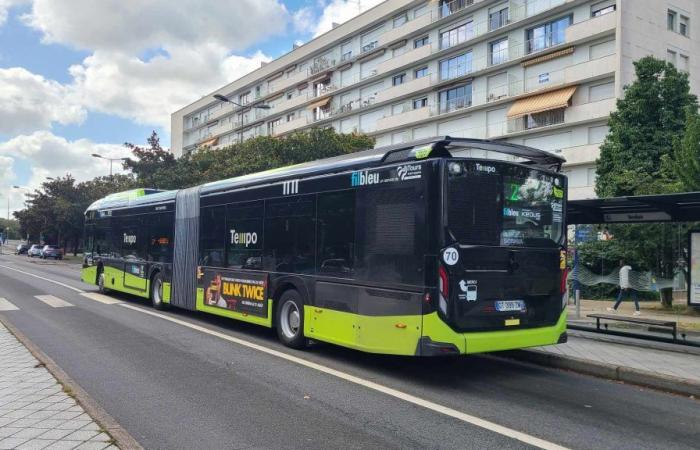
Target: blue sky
(79,77)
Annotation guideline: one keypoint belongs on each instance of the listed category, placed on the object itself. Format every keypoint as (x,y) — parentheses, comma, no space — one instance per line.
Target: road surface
(183,380)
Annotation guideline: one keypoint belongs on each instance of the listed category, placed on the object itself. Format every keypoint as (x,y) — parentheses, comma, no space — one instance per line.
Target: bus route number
(450,256)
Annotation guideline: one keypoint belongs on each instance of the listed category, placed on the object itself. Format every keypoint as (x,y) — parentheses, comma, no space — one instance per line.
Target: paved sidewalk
(681,365)
(35,412)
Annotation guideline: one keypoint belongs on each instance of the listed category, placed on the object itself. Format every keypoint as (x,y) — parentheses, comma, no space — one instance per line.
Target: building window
(400,20)
(244,99)
(421,41)
(591,176)
(455,98)
(258,92)
(544,119)
(420,11)
(456,66)
(448,7)
(683,26)
(671,56)
(420,73)
(457,35)
(498,18)
(602,8)
(290,94)
(671,20)
(547,35)
(498,51)
(684,63)
(420,103)
(290,117)
(398,79)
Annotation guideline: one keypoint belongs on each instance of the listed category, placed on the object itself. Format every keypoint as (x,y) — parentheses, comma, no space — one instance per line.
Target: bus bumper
(440,339)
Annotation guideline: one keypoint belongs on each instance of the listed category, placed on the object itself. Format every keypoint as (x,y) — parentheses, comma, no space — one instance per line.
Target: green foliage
(648,122)
(10,227)
(157,168)
(685,163)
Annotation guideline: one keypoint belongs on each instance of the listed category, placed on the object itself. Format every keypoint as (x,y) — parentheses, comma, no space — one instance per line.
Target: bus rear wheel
(157,292)
(289,320)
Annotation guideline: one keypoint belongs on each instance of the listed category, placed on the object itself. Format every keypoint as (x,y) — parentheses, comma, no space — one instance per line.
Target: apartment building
(544,73)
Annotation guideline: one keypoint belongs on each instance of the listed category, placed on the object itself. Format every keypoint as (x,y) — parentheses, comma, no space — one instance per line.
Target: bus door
(134,265)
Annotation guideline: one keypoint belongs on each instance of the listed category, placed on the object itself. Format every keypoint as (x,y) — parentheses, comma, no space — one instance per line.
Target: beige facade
(544,73)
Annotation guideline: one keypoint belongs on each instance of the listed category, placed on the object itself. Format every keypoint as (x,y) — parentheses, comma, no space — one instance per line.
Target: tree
(153,166)
(684,164)
(648,122)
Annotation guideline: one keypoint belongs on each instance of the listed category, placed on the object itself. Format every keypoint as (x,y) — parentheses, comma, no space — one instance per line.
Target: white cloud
(51,155)
(339,11)
(149,91)
(137,25)
(30,102)
(5,6)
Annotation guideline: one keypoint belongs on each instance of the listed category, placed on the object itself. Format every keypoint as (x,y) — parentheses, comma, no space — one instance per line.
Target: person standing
(626,288)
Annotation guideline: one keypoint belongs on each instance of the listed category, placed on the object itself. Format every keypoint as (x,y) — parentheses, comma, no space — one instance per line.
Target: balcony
(284,83)
(582,154)
(448,8)
(409,27)
(291,103)
(369,47)
(591,111)
(403,119)
(321,65)
(406,88)
(451,105)
(405,59)
(537,120)
(591,28)
(596,68)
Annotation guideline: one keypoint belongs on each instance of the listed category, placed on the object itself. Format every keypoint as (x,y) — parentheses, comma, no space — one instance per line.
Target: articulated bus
(436,247)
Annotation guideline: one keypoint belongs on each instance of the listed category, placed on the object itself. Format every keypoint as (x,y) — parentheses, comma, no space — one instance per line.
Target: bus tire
(101,282)
(289,319)
(157,292)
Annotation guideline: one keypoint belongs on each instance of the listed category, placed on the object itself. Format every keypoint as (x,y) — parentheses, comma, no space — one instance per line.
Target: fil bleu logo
(363,178)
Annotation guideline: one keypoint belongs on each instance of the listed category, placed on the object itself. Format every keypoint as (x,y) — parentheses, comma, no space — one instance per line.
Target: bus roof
(441,146)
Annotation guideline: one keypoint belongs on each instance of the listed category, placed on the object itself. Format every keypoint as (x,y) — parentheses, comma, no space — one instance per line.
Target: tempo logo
(129,239)
(364,178)
(487,169)
(244,238)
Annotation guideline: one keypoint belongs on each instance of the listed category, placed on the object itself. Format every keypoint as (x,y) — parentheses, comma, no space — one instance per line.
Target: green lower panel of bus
(114,279)
(264,321)
(400,335)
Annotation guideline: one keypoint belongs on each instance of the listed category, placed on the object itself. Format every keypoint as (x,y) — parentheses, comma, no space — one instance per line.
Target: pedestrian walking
(626,288)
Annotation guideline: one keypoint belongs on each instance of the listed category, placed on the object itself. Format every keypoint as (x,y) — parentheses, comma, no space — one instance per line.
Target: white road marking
(43,278)
(53,301)
(5,305)
(502,430)
(106,299)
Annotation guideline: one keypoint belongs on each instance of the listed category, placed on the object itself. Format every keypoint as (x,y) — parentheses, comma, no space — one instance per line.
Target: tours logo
(409,172)
(243,238)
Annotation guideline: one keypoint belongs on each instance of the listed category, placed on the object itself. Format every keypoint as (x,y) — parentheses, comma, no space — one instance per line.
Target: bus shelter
(668,208)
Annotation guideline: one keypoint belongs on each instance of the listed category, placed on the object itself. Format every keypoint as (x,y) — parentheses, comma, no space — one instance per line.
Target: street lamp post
(111,160)
(224,99)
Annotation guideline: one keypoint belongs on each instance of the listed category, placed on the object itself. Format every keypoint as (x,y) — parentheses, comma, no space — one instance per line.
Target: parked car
(34,250)
(22,249)
(51,251)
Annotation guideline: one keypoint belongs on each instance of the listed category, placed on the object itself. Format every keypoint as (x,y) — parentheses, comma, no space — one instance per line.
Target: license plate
(510,305)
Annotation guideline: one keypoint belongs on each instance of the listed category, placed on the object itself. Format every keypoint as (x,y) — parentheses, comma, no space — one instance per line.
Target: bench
(664,324)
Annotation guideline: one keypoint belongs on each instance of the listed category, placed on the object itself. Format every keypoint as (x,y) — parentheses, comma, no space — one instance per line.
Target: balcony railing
(538,120)
(449,8)
(453,104)
(545,41)
(369,47)
(321,64)
(498,19)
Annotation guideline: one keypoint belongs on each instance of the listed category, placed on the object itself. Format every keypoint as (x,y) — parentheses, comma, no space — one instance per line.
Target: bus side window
(290,235)
(244,239)
(336,233)
(212,232)
(133,238)
(160,237)
(389,246)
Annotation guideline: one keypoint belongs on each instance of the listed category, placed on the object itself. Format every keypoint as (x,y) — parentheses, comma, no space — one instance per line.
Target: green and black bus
(434,247)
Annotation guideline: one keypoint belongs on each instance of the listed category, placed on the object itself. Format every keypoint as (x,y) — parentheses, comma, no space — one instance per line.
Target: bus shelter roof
(682,207)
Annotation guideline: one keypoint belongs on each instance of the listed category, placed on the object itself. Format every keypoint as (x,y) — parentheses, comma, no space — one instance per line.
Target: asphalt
(171,386)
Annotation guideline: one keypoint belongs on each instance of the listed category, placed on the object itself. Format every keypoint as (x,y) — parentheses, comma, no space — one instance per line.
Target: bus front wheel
(289,320)
(157,292)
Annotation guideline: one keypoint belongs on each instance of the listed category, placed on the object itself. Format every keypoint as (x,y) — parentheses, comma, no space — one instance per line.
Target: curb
(122,438)
(645,378)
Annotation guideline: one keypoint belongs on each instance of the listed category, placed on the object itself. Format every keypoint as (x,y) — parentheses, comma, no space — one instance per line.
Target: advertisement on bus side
(238,291)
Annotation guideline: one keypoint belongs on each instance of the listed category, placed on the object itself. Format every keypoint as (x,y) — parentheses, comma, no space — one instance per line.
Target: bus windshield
(500,204)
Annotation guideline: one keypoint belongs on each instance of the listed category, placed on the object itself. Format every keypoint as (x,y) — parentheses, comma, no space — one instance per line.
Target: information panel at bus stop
(694,269)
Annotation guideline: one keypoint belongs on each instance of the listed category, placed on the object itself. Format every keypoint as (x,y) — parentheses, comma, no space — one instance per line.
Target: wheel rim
(158,292)
(290,319)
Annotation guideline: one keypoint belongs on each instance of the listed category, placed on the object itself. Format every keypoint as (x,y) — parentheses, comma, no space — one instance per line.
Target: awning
(542,102)
(320,103)
(209,142)
(548,57)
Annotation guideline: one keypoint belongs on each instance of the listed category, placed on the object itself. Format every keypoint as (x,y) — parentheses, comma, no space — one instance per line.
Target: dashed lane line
(53,301)
(106,299)
(467,418)
(44,278)
(6,305)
